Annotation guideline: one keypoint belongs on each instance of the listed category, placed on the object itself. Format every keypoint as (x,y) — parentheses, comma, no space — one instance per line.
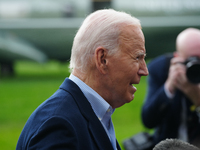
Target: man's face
(126,67)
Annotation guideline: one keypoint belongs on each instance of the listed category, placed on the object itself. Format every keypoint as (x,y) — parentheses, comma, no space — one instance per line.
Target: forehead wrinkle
(129,34)
(131,41)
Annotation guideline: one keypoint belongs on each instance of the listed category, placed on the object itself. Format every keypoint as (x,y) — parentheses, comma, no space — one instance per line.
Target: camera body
(193,69)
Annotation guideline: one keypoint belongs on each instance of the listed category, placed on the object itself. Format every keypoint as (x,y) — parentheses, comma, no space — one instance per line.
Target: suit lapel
(118,147)
(97,130)
(100,135)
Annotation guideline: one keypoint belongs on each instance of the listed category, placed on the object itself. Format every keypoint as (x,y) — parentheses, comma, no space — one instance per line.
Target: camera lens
(193,72)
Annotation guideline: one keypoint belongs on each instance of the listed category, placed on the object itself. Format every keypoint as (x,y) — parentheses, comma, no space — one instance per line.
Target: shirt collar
(99,105)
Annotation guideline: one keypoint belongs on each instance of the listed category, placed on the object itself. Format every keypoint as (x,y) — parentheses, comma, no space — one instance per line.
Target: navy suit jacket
(161,113)
(64,121)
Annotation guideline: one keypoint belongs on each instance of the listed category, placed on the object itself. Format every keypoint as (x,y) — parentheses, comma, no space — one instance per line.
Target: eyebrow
(142,54)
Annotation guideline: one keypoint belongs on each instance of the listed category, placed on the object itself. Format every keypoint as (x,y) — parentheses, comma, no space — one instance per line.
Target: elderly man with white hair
(107,58)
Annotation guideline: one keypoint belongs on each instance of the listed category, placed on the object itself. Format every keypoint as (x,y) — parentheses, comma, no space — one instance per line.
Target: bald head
(188,43)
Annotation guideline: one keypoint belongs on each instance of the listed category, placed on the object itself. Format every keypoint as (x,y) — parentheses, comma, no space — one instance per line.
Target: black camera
(193,69)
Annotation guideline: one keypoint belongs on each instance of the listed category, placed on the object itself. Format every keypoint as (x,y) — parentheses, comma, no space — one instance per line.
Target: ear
(101,55)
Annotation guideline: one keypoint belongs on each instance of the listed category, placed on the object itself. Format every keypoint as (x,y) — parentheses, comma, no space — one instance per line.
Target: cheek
(134,69)
(124,72)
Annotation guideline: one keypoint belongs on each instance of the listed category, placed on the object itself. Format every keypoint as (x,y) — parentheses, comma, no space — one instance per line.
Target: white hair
(101,28)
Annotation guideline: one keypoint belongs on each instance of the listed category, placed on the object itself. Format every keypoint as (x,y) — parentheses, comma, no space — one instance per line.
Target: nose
(143,71)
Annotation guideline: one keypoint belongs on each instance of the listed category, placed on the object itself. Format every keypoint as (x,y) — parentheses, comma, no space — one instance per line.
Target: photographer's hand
(175,71)
(192,91)
(177,80)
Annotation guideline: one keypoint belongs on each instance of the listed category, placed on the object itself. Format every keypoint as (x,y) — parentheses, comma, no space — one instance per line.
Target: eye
(140,57)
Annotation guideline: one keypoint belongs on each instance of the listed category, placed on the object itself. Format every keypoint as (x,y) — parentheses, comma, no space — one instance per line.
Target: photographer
(172,105)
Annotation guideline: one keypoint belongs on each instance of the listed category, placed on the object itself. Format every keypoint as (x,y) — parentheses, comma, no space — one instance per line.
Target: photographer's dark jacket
(162,113)
(66,121)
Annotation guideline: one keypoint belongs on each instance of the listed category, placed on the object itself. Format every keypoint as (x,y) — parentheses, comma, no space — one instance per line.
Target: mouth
(134,88)
(132,91)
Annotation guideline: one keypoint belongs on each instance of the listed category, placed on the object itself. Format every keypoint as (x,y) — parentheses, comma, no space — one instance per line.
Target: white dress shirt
(100,107)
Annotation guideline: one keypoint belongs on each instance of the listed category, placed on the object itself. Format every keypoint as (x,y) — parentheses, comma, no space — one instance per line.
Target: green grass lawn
(34,83)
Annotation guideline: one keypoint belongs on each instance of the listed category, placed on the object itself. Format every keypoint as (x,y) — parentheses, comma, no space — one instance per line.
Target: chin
(119,105)
(129,100)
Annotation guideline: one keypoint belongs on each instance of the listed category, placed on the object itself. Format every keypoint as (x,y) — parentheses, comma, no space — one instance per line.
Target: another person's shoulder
(160,61)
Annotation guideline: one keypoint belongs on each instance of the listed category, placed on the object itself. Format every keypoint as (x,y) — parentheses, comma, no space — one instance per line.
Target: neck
(89,77)
(95,80)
